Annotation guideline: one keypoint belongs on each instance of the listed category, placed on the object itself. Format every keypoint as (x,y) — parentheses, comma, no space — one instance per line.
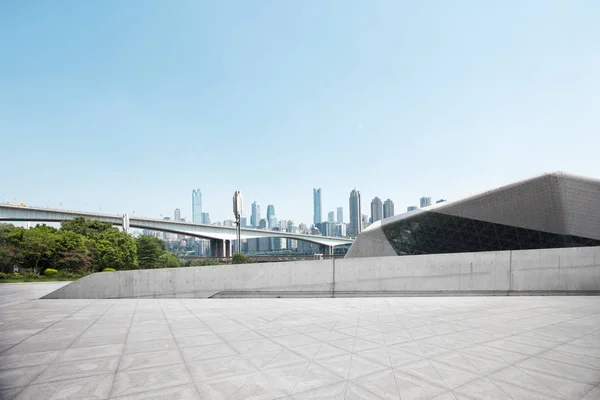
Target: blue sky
(128,105)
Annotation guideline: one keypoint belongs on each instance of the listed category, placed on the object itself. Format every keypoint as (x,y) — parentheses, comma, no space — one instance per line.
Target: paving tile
(223,388)
(413,388)
(150,359)
(87,353)
(215,368)
(17,377)
(91,341)
(382,383)
(32,346)
(198,340)
(560,369)
(337,391)
(77,369)
(192,354)
(27,360)
(593,394)
(186,392)
(149,379)
(93,388)
(149,345)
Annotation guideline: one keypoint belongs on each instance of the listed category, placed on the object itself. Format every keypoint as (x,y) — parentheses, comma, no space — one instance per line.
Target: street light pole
(237,212)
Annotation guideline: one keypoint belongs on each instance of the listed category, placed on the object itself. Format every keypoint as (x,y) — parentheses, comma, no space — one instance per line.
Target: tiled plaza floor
(457,348)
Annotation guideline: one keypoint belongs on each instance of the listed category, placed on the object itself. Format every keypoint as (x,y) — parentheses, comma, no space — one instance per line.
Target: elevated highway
(221,237)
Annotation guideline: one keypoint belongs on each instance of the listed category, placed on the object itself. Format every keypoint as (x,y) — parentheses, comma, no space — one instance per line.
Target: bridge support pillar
(228,248)
(217,248)
(326,250)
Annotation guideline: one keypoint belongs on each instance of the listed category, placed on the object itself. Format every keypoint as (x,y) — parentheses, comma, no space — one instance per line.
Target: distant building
(340,215)
(340,230)
(331,217)
(271,219)
(365,221)
(243,222)
(355,227)
(425,201)
(255,217)
(196,206)
(263,224)
(388,208)
(177,214)
(411,208)
(317,217)
(440,201)
(376,209)
(205,218)
(228,222)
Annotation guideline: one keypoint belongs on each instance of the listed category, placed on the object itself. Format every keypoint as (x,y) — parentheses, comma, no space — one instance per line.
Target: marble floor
(442,348)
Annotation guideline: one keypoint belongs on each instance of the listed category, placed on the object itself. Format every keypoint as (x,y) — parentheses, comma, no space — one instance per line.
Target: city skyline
(92,97)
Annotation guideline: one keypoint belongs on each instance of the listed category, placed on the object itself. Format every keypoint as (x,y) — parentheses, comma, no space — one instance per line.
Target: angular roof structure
(547,211)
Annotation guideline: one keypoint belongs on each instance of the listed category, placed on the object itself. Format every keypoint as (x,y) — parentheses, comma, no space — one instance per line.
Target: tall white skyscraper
(340,215)
(196,206)
(317,217)
(388,208)
(355,226)
(255,217)
(376,209)
(177,214)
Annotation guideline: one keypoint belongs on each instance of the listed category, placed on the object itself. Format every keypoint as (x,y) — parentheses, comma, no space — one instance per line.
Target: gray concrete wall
(506,272)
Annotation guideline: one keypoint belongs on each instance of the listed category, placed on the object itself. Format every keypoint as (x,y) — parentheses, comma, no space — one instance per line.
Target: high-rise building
(331,217)
(243,222)
(196,206)
(255,217)
(263,224)
(425,201)
(388,208)
(340,215)
(206,218)
(376,209)
(365,221)
(177,214)
(317,217)
(411,208)
(271,219)
(355,227)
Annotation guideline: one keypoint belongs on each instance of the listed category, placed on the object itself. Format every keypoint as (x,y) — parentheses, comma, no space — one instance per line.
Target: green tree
(114,249)
(5,230)
(85,227)
(39,244)
(149,251)
(168,260)
(10,255)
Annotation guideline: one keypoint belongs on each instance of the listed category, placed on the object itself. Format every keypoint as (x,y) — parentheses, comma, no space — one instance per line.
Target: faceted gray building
(552,210)
(255,217)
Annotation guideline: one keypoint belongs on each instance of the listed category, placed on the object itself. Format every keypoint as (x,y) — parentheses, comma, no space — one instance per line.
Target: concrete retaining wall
(507,272)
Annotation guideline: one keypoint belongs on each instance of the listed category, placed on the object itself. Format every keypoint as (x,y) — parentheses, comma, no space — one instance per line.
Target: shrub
(50,272)
(108,270)
(4,276)
(239,258)
(31,275)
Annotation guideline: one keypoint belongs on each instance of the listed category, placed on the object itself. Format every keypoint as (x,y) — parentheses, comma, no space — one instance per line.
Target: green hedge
(50,272)
(239,258)
(108,270)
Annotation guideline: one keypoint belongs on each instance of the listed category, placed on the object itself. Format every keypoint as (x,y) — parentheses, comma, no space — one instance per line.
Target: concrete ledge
(525,272)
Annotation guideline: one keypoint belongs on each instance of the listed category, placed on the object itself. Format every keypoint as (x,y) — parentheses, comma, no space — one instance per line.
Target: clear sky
(127,106)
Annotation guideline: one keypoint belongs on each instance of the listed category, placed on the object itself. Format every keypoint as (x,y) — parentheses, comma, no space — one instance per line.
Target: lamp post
(237,212)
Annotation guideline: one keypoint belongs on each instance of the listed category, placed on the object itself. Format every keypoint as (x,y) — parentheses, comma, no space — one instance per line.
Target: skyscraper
(317,217)
(331,216)
(388,208)
(196,206)
(376,209)
(255,217)
(263,224)
(271,219)
(340,215)
(411,208)
(177,214)
(205,218)
(354,228)
(425,201)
